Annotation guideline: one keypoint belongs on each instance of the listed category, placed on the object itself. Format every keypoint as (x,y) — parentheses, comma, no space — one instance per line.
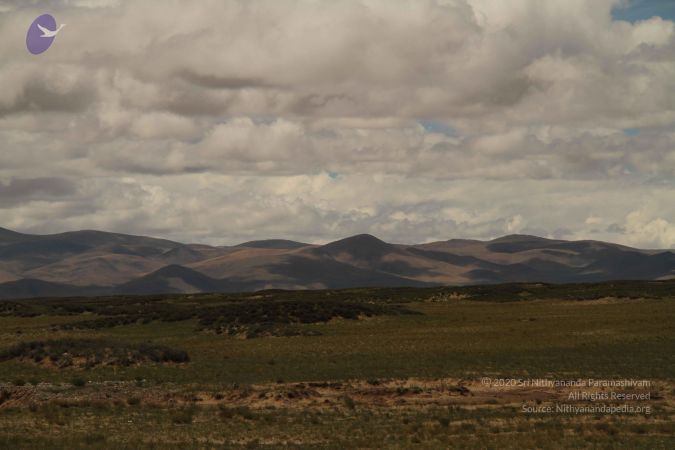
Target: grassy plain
(366,369)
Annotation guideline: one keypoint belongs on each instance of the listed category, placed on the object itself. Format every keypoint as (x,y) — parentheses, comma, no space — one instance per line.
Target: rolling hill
(96,262)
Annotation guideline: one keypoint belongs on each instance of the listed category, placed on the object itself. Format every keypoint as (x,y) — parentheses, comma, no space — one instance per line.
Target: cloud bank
(222,121)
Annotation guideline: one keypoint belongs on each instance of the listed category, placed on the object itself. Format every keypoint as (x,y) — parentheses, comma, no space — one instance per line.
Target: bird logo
(41,34)
(49,33)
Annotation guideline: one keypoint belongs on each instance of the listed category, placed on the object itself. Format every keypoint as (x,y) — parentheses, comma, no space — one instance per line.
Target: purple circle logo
(41,34)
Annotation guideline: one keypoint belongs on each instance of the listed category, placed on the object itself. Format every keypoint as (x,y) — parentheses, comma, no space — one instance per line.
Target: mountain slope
(370,253)
(324,273)
(28,288)
(169,280)
(11,237)
(82,262)
(83,257)
(274,243)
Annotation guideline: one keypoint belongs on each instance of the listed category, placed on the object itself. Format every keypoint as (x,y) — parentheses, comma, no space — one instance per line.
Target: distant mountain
(300,271)
(362,247)
(11,237)
(274,243)
(37,288)
(96,262)
(171,279)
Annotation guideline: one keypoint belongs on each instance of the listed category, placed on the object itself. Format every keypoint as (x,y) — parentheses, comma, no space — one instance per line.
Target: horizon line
(144,235)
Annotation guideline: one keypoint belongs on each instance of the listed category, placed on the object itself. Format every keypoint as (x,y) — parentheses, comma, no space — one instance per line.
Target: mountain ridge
(89,262)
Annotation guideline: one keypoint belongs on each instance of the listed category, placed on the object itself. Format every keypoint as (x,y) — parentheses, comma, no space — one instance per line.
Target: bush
(228,412)
(93,352)
(78,382)
(4,396)
(54,415)
(94,438)
(183,416)
(349,402)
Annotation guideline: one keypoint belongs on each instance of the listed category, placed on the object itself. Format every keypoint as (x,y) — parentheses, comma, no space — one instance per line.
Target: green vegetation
(266,314)
(89,353)
(332,369)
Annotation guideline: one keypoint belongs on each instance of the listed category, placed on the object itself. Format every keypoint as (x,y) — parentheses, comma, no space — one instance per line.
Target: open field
(371,368)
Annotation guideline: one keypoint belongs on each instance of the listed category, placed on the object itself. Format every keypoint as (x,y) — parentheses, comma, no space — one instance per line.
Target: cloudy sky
(221,121)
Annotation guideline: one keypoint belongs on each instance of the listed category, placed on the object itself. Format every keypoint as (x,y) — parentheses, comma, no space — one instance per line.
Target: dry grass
(390,381)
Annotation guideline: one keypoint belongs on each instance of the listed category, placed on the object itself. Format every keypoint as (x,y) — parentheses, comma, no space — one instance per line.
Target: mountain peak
(362,238)
(361,246)
(170,279)
(359,240)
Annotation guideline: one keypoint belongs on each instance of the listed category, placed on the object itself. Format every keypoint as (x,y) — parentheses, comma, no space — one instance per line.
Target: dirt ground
(378,393)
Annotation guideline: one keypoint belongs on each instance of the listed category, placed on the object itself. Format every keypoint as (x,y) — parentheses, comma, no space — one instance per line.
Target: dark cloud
(218,82)
(615,228)
(195,103)
(19,190)
(39,96)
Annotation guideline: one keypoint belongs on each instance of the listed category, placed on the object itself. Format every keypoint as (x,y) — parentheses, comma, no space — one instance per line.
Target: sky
(636,10)
(222,121)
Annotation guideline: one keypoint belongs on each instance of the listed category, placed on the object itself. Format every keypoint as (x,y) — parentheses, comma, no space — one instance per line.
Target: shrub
(94,438)
(93,352)
(78,382)
(4,396)
(349,402)
(228,412)
(53,415)
(183,416)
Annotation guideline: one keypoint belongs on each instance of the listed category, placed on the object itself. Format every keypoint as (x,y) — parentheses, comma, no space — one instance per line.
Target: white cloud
(641,228)
(222,122)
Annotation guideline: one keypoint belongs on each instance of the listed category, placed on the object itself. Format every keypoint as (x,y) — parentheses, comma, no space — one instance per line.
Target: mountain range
(100,263)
